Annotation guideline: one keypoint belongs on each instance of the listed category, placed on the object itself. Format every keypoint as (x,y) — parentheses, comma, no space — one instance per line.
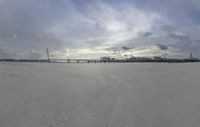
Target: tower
(191,57)
(48,58)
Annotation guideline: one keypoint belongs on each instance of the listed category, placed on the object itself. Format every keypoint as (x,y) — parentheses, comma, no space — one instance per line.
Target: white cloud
(95,53)
(103,26)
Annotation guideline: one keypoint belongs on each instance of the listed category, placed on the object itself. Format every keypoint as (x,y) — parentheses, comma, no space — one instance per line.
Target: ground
(100,95)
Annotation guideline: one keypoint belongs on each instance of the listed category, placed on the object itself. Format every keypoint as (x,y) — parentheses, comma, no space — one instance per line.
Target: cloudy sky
(95,28)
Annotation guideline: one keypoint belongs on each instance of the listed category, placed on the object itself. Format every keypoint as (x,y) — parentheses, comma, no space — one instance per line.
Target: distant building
(105,58)
(159,58)
(140,58)
(192,58)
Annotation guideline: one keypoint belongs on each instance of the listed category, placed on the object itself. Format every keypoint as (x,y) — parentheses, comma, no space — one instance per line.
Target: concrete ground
(100,95)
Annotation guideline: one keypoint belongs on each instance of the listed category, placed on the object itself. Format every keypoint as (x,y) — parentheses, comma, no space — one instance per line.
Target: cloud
(35,55)
(126,48)
(104,25)
(162,47)
(23,24)
(145,34)
(168,28)
(4,53)
(27,25)
(179,36)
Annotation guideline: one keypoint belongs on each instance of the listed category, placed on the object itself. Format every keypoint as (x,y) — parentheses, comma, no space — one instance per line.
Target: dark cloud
(126,48)
(112,49)
(179,36)
(168,28)
(162,47)
(145,34)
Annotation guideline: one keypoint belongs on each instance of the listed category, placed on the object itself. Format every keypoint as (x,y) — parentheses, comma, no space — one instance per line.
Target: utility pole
(48,58)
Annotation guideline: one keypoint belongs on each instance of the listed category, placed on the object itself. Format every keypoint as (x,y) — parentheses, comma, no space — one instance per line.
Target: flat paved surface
(100,95)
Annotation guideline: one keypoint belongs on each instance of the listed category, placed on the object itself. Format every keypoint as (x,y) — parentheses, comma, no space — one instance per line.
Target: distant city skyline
(95,28)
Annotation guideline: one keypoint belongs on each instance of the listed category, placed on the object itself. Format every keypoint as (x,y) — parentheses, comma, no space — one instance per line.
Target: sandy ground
(100,95)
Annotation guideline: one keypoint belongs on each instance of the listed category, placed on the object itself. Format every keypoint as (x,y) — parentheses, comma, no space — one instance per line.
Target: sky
(96,28)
